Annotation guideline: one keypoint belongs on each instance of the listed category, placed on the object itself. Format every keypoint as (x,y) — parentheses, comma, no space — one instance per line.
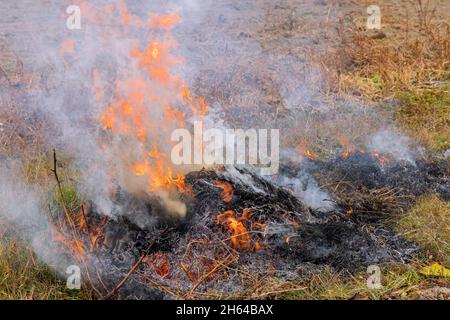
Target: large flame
(146,100)
(149,106)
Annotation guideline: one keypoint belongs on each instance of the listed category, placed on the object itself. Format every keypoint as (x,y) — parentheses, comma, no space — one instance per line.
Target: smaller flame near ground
(227,191)
(79,238)
(350,149)
(241,228)
(308,153)
(381,158)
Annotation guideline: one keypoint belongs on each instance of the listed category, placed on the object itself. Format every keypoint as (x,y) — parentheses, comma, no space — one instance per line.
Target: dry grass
(375,69)
(22,276)
(398,282)
(408,75)
(428,223)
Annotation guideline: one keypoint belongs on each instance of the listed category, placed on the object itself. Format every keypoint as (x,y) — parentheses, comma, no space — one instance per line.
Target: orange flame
(240,234)
(307,152)
(150,106)
(381,159)
(227,192)
(348,148)
(310,155)
(74,246)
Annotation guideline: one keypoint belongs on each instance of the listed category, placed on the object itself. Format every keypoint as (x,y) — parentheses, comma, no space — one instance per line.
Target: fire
(140,169)
(82,239)
(73,245)
(348,148)
(307,152)
(310,155)
(198,107)
(381,159)
(146,100)
(151,102)
(240,235)
(227,192)
(159,263)
(351,149)
(240,238)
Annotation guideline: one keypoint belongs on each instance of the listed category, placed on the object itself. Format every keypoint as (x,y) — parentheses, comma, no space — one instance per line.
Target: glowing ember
(159,263)
(310,155)
(227,192)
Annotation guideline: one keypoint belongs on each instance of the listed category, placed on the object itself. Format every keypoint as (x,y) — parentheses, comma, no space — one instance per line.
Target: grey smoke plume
(393,144)
(65,97)
(306,189)
(23,209)
(240,66)
(27,213)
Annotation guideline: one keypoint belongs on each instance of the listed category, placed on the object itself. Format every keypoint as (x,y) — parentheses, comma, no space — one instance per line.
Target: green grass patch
(430,108)
(428,224)
(398,282)
(427,115)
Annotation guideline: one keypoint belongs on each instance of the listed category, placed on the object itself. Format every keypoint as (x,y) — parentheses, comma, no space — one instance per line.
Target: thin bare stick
(130,272)
(63,203)
(160,285)
(226,261)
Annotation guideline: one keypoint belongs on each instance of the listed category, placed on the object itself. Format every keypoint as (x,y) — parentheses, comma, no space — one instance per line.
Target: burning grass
(245,237)
(261,238)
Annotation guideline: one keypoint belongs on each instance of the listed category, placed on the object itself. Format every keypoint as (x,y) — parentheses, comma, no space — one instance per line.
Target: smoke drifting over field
(111,93)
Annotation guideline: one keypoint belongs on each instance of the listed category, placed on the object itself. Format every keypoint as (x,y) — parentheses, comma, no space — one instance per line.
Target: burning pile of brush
(241,225)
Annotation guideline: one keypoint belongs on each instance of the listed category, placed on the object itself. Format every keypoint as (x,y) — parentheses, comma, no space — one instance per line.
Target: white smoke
(307,190)
(65,97)
(393,144)
(23,210)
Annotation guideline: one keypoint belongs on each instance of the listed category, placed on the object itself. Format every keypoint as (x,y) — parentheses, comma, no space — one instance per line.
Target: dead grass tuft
(428,223)
(375,69)
(23,277)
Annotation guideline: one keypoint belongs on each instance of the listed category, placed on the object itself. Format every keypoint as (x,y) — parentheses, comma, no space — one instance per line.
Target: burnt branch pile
(241,227)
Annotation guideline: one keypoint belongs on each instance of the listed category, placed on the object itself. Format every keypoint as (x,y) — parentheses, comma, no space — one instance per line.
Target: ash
(284,239)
